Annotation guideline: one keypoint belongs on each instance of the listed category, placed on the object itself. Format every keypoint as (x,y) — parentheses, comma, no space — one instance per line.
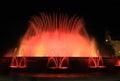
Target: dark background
(99,17)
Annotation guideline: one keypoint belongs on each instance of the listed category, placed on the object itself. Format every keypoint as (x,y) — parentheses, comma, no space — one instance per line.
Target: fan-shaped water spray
(55,32)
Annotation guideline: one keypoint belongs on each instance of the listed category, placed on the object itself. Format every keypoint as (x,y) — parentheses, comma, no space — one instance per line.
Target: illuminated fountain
(14,62)
(18,62)
(95,62)
(55,32)
(56,37)
(58,62)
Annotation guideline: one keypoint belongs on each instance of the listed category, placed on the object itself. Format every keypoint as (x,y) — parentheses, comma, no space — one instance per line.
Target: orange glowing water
(64,35)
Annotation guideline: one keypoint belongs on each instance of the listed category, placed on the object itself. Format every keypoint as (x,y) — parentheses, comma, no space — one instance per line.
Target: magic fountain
(57,38)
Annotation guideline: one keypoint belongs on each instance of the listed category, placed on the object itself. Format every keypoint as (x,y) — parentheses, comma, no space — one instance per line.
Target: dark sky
(99,16)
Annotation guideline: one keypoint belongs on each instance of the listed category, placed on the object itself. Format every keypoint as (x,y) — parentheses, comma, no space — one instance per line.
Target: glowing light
(96,62)
(14,63)
(58,62)
(59,33)
(18,62)
(118,63)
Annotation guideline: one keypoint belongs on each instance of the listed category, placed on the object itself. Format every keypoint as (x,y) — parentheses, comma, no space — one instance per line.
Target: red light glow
(56,36)
(118,63)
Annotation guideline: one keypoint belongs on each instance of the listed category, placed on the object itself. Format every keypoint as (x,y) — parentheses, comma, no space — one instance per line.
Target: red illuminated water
(59,33)
(14,63)
(17,62)
(23,63)
(118,63)
(96,62)
(58,62)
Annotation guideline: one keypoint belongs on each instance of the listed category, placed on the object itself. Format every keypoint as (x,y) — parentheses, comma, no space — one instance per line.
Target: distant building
(114,43)
(116,46)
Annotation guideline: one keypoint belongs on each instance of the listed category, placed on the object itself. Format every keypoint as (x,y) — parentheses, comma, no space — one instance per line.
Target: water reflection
(62,75)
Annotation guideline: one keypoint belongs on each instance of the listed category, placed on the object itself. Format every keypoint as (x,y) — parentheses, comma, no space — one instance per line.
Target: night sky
(99,17)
